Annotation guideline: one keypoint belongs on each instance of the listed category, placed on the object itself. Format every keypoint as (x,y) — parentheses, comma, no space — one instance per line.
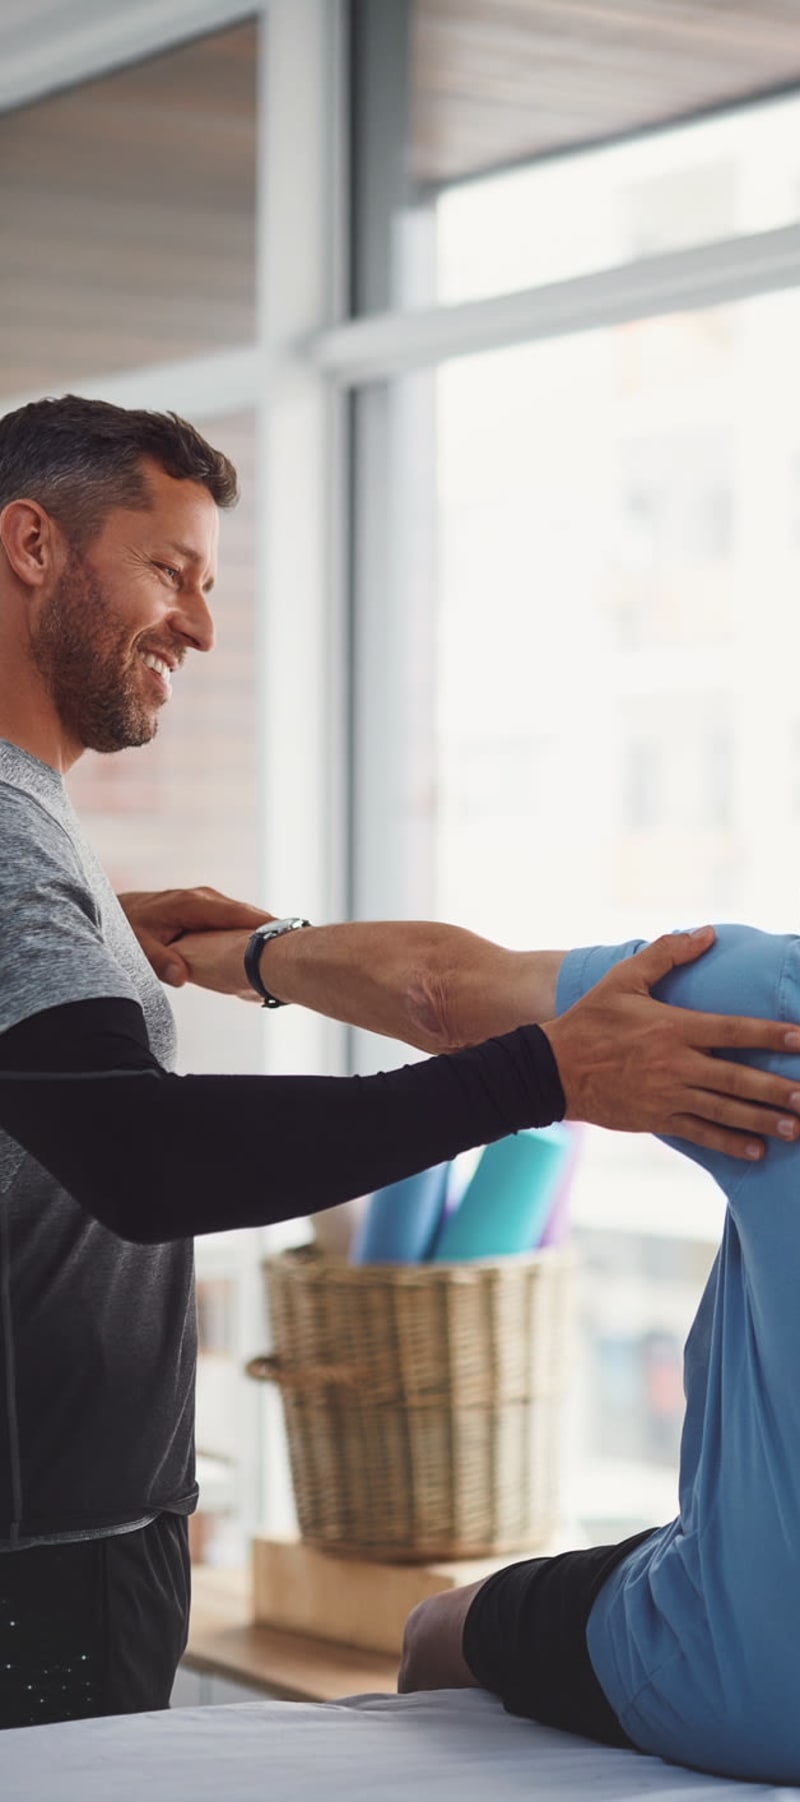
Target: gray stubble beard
(82,658)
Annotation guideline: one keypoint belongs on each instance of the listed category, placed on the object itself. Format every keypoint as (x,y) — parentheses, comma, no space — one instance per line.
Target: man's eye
(168,569)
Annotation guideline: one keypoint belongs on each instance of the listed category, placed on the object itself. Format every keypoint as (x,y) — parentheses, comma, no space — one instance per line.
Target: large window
(575,704)
(715,179)
(616,567)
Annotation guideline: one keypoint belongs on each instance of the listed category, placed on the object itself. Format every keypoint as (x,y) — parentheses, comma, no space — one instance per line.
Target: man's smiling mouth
(160,668)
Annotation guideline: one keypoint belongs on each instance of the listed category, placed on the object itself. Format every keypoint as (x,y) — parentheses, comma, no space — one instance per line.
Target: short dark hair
(81,458)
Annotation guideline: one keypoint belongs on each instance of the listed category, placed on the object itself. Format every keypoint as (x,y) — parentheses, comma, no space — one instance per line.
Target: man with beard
(109,1163)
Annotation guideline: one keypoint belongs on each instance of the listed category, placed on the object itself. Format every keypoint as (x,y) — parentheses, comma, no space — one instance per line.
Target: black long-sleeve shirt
(97,1350)
(155,1157)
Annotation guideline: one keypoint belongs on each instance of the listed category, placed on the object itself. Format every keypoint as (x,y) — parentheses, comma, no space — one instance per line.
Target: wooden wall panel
(495,81)
(127,217)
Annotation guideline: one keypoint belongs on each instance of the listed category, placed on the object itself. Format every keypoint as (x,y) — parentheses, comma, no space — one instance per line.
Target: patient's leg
(522,1635)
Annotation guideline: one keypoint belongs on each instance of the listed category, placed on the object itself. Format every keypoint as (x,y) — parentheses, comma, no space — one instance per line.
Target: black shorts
(525,1640)
(93,1626)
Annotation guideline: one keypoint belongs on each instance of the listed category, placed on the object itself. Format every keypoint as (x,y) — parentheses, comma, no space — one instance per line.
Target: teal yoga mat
(506,1205)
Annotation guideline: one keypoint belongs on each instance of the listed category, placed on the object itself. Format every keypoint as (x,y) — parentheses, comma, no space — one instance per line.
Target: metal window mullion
(301,649)
(382,346)
(300,636)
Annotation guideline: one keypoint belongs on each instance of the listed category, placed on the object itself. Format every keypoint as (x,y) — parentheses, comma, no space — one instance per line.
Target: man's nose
(196,623)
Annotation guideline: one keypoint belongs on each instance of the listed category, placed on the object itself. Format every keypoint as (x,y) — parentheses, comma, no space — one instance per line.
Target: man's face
(110,637)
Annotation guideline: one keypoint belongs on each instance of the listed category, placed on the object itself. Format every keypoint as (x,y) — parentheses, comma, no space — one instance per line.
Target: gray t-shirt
(97,1336)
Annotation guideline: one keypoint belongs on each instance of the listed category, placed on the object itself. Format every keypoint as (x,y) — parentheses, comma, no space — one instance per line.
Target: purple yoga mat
(557,1224)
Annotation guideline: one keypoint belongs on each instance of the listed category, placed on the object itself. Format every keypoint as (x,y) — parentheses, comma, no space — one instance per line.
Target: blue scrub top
(695,1637)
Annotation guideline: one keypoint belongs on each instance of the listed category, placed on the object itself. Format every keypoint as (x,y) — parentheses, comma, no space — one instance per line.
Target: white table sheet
(451,1746)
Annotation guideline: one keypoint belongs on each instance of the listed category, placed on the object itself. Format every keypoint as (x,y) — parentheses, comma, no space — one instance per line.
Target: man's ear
(33,543)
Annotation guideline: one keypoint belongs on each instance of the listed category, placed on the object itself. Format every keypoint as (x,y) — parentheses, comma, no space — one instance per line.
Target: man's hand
(637,1065)
(160,918)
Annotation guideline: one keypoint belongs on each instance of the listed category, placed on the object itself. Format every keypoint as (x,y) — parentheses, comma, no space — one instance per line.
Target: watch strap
(271,929)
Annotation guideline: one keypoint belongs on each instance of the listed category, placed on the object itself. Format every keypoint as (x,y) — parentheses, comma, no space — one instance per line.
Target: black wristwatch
(271,929)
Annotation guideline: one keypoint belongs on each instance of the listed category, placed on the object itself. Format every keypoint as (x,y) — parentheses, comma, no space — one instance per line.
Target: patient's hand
(638,1065)
(215,960)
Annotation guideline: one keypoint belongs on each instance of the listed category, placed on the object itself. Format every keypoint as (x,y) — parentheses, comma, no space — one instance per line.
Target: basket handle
(263,1369)
(272,1369)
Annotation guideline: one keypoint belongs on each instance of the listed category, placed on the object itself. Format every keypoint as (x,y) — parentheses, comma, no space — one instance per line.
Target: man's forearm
(434,986)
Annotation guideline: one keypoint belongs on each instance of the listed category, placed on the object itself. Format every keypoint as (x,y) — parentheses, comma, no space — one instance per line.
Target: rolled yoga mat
(402,1220)
(505,1206)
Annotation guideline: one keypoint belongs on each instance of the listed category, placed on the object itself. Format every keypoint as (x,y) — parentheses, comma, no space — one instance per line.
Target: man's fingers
(717,1138)
(165,960)
(743,1116)
(737,1031)
(204,910)
(656,960)
(744,1080)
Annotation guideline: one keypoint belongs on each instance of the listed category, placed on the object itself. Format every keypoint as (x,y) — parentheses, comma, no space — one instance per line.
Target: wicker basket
(423,1402)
